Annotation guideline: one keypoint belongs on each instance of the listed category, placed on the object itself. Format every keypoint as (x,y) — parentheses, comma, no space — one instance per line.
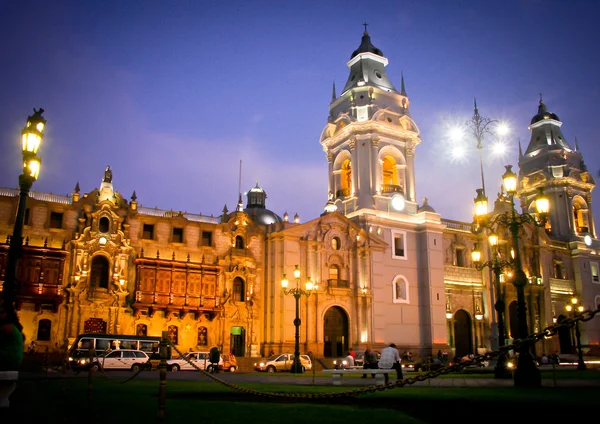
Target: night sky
(173,94)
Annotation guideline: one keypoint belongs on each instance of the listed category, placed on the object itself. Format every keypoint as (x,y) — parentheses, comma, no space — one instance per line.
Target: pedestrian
(11,341)
(349,360)
(31,348)
(390,359)
(351,353)
(214,357)
(369,361)
(439,355)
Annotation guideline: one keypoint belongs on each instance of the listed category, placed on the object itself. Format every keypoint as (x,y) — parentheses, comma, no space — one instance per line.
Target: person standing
(214,357)
(390,359)
(11,342)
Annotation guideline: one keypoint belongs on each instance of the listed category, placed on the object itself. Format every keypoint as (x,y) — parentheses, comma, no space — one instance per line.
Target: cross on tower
(365,24)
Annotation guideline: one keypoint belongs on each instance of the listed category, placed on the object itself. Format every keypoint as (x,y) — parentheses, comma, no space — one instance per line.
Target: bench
(8,383)
(379,374)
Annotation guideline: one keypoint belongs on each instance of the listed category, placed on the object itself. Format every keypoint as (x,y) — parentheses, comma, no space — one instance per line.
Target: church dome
(543,114)
(256,207)
(366,47)
(425,207)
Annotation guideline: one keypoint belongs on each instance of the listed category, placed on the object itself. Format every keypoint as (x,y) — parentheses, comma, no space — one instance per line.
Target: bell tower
(551,164)
(370,140)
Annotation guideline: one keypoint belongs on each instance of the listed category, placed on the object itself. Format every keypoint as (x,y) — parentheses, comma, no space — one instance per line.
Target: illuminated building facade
(385,268)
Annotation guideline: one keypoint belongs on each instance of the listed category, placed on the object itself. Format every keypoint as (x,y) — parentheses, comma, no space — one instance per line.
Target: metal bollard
(91,354)
(162,387)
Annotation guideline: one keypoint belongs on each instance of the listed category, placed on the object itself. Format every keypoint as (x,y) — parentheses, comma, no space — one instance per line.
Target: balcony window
(207,238)
(56,219)
(177,235)
(148,232)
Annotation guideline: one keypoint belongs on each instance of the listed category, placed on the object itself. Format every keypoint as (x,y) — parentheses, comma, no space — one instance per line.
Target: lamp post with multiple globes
(31,137)
(573,308)
(497,265)
(526,373)
(478,126)
(297,292)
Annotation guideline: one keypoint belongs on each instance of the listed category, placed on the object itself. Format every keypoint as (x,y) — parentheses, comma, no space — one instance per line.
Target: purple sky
(173,94)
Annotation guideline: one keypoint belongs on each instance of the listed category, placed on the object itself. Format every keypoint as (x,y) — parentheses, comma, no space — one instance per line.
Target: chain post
(91,355)
(162,387)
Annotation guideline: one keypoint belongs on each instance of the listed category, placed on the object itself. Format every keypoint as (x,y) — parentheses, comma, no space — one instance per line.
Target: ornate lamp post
(31,137)
(496,264)
(297,292)
(573,308)
(526,372)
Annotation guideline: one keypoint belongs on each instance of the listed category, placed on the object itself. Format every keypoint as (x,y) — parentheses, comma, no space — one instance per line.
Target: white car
(122,359)
(199,359)
(282,362)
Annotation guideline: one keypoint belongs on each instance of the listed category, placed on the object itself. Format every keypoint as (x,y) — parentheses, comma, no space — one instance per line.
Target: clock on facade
(587,239)
(398,202)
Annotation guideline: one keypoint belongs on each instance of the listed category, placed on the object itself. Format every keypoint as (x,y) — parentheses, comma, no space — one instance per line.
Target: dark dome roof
(263,216)
(366,47)
(543,114)
(426,207)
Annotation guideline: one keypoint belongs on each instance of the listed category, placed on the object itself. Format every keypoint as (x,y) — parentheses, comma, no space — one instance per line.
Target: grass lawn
(66,401)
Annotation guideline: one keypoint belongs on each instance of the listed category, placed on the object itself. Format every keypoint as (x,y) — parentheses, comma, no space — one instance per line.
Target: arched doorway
(462,333)
(564,336)
(335,332)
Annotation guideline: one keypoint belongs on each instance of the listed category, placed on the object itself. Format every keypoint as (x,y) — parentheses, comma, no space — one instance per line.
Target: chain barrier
(476,360)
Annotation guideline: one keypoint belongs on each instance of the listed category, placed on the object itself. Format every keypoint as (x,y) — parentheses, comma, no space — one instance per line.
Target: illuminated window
(346,181)
(141,330)
(334,272)
(173,334)
(399,245)
(390,176)
(202,336)
(580,215)
(400,290)
(335,243)
(594,268)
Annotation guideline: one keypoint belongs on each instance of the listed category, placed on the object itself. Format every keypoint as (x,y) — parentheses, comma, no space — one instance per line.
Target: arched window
(173,334)
(141,330)
(346,178)
(334,272)
(336,244)
(202,336)
(100,272)
(400,290)
(239,292)
(580,215)
(44,327)
(239,242)
(103,225)
(390,176)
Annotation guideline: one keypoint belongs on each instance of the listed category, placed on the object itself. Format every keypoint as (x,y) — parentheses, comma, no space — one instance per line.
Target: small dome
(425,207)
(543,114)
(263,216)
(366,47)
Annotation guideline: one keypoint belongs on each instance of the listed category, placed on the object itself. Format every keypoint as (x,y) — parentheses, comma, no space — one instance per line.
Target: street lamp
(526,372)
(478,126)
(573,308)
(297,292)
(496,264)
(31,137)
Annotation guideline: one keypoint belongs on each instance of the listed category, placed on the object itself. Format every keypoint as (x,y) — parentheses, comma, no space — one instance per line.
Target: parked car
(342,363)
(282,362)
(199,359)
(122,359)
(229,362)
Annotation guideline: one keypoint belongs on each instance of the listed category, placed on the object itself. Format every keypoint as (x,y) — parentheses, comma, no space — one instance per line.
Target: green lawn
(112,401)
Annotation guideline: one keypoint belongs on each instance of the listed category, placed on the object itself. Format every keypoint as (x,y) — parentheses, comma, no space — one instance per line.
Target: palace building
(384,266)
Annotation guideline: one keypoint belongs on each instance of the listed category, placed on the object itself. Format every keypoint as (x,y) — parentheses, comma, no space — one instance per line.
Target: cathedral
(382,266)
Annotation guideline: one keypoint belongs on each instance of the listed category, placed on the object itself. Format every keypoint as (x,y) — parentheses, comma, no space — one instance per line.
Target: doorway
(462,333)
(238,341)
(335,332)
